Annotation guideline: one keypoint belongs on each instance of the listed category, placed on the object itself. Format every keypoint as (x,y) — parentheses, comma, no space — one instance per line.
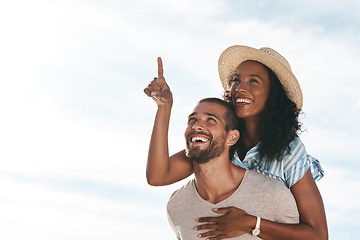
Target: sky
(75,124)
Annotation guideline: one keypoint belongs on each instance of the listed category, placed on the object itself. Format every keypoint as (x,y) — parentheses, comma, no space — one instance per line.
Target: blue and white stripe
(289,170)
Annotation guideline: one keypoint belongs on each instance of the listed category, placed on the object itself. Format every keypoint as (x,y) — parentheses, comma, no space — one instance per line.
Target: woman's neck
(251,137)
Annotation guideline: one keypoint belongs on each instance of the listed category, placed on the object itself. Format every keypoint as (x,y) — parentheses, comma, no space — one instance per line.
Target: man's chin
(197,156)
(199,160)
(198,146)
(192,151)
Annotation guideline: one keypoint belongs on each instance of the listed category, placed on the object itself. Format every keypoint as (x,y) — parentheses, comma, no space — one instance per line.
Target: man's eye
(191,120)
(212,119)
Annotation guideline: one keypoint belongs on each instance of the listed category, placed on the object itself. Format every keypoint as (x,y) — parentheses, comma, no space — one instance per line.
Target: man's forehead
(209,108)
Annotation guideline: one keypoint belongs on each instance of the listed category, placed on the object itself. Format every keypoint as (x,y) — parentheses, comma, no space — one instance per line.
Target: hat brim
(233,56)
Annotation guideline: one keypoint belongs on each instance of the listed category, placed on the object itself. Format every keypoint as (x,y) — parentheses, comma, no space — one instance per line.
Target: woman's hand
(158,88)
(234,222)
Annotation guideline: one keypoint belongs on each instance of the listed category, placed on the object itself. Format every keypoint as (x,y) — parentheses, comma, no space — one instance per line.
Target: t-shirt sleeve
(297,162)
(287,211)
(173,226)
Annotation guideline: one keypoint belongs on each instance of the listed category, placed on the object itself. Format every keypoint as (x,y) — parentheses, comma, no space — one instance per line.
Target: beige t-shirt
(257,194)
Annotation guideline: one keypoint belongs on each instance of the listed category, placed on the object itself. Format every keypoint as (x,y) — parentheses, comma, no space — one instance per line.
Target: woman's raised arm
(162,169)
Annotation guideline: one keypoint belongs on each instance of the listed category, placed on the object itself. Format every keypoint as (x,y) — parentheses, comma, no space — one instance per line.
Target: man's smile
(198,138)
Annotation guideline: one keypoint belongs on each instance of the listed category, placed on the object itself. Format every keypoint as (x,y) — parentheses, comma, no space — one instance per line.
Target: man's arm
(162,169)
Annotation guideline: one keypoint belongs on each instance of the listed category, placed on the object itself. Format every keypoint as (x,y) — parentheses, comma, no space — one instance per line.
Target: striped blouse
(291,169)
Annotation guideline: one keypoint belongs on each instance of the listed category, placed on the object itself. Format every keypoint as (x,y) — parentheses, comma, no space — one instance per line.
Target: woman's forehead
(251,66)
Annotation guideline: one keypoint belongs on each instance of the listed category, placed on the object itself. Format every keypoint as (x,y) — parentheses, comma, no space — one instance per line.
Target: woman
(267,100)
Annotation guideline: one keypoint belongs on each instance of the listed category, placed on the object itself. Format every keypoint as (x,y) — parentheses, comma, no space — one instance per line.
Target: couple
(240,203)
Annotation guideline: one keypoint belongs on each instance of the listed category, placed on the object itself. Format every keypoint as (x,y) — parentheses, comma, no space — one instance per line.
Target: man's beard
(215,148)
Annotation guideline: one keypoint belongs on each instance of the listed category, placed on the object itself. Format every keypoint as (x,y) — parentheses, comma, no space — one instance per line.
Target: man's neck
(217,179)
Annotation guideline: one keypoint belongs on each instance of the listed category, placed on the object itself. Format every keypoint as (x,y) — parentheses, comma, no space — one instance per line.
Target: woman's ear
(233,137)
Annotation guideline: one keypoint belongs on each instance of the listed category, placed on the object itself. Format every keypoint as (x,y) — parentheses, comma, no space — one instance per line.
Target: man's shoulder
(271,198)
(183,191)
(273,190)
(263,181)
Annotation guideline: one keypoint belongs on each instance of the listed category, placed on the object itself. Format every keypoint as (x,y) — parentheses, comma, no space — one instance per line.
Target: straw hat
(232,57)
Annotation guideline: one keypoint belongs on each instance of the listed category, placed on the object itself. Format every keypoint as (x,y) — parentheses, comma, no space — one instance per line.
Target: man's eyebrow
(207,113)
(193,114)
(213,115)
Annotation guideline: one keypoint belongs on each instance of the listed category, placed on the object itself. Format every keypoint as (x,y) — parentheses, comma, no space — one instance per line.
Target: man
(210,133)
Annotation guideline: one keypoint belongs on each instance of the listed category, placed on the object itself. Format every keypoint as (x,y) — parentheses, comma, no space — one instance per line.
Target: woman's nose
(241,87)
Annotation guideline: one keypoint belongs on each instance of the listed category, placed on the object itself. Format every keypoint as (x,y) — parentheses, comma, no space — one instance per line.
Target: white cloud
(38,211)
(340,192)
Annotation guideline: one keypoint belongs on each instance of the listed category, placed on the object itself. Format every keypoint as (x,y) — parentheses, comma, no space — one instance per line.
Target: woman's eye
(254,80)
(235,80)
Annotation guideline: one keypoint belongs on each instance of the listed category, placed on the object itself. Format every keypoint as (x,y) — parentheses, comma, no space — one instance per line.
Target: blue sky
(75,123)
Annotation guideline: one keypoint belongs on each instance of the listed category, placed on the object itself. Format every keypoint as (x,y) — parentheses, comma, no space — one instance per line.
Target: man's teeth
(198,139)
(243,100)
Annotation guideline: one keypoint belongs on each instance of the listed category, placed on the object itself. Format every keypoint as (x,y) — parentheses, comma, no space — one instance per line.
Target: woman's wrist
(251,223)
(165,106)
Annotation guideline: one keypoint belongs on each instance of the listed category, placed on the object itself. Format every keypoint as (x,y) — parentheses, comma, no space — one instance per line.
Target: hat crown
(276,55)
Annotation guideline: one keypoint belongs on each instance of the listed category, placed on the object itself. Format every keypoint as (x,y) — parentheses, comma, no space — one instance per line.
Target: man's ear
(233,137)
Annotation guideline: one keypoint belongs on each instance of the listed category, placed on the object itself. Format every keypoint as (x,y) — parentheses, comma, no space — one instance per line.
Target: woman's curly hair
(279,124)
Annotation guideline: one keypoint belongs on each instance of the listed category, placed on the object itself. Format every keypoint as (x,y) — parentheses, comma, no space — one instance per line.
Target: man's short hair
(229,116)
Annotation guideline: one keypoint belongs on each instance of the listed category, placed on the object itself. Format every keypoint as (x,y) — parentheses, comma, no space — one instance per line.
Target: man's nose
(197,126)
